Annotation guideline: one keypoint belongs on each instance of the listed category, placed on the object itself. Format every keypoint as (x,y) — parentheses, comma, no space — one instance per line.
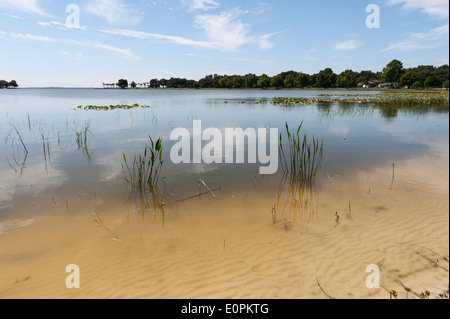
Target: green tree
(347,79)
(277,81)
(133,85)
(123,84)
(417,85)
(289,81)
(409,78)
(223,82)
(303,80)
(264,81)
(3,84)
(154,83)
(430,82)
(13,84)
(237,82)
(326,78)
(250,81)
(393,71)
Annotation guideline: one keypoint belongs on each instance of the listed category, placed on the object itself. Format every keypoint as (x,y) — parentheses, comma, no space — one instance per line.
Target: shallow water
(385,175)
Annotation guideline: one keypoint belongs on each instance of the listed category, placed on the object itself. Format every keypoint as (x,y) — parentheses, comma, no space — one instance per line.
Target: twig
(318,283)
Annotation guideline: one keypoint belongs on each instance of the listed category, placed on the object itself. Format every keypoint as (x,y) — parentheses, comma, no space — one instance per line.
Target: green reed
(300,165)
(143,177)
(304,157)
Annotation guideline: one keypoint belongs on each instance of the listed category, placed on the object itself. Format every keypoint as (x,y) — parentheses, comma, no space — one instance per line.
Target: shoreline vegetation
(393,76)
(440,99)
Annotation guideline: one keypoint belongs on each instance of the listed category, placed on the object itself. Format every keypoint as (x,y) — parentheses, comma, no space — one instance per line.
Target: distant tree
(409,78)
(347,79)
(13,84)
(393,71)
(326,78)
(445,85)
(123,84)
(417,85)
(250,81)
(133,85)
(289,81)
(430,82)
(237,82)
(196,85)
(163,82)
(264,81)
(303,80)
(366,76)
(154,83)
(4,84)
(223,82)
(277,81)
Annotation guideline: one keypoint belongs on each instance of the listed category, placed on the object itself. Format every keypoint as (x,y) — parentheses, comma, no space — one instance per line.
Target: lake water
(382,189)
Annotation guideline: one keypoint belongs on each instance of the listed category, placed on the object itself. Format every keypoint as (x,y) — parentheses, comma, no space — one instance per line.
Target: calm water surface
(60,175)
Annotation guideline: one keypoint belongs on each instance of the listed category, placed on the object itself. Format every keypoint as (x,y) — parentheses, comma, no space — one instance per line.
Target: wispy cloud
(27,6)
(114,11)
(228,32)
(347,45)
(223,31)
(423,40)
(125,54)
(196,5)
(436,8)
(155,36)
(310,55)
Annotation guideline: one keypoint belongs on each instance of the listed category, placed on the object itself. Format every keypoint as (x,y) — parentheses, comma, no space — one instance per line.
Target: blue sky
(140,40)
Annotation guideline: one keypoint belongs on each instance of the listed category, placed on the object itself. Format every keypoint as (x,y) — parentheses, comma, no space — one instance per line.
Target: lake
(218,230)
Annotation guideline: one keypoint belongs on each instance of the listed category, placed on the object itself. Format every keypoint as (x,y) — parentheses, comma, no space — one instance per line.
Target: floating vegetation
(143,177)
(110,107)
(398,99)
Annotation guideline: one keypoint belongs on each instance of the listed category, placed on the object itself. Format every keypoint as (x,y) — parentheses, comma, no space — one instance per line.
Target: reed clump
(143,177)
(300,165)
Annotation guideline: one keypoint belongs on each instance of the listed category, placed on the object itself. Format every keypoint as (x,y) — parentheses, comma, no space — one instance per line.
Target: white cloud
(155,36)
(223,31)
(310,55)
(27,6)
(347,45)
(423,40)
(436,8)
(228,33)
(114,11)
(195,5)
(261,8)
(126,54)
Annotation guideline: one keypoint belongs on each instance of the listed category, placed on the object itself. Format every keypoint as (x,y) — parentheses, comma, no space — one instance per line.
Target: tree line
(424,76)
(6,85)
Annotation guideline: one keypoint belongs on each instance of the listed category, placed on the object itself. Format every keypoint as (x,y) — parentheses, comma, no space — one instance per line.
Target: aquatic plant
(143,177)
(394,99)
(110,107)
(300,166)
(304,158)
